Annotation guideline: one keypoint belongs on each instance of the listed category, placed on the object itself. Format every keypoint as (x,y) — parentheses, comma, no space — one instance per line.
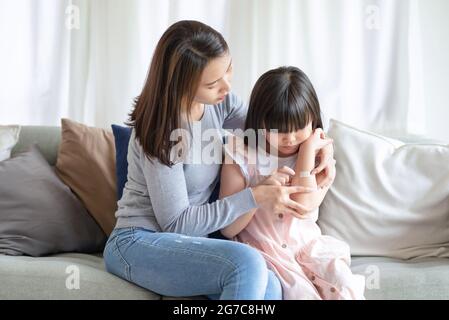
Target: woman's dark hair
(174,76)
(283,99)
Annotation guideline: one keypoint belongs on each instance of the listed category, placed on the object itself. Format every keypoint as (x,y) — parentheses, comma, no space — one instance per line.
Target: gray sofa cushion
(388,278)
(39,215)
(55,277)
(46,278)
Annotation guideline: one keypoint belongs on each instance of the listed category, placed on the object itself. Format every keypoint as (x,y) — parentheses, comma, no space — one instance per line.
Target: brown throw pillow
(86,163)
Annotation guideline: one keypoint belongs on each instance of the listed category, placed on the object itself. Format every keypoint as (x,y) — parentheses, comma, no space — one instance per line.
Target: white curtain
(88,59)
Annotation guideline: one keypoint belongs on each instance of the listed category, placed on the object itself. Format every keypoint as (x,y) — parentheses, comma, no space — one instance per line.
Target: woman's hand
(317,140)
(279,177)
(276,199)
(325,171)
(326,177)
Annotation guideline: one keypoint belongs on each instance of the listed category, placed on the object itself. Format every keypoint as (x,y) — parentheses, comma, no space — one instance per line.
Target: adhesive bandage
(304,174)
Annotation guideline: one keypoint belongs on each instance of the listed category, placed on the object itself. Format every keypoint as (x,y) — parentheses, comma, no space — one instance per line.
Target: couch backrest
(46,137)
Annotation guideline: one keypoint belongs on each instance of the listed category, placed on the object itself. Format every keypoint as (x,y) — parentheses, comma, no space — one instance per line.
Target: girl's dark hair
(174,76)
(283,99)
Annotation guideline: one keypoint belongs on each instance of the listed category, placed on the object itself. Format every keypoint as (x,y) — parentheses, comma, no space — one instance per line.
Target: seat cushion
(55,277)
(388,278)
(52,277)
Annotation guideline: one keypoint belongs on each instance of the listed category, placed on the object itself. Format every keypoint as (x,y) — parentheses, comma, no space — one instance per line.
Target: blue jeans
(175,265)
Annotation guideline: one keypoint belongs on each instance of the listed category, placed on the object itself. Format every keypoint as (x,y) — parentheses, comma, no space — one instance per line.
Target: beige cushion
(389,198)
(86,163)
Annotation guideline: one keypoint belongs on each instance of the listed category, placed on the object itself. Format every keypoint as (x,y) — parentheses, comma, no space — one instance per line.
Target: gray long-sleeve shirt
(175,199)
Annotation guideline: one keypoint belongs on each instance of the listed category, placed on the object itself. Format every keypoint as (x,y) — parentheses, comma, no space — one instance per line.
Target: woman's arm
(232,181)
(167,190)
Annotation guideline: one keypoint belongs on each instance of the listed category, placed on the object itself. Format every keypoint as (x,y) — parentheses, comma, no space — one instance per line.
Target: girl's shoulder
(239,154)
(235,148)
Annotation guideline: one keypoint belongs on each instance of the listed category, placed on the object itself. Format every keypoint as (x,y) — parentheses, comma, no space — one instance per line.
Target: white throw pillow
(9,135)
(389,198)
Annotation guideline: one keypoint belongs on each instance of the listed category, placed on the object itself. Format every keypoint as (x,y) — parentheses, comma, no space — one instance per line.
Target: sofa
(49,277)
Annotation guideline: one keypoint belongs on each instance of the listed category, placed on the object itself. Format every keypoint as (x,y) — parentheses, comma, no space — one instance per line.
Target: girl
(160,241)
(308,264)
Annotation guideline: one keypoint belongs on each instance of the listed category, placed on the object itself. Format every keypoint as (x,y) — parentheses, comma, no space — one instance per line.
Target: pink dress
(308,264)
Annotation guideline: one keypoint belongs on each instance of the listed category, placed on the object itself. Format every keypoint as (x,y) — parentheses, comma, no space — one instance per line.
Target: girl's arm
(232,181)
(306,163)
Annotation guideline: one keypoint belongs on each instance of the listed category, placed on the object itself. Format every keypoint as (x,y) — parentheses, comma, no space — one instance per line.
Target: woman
(161,241)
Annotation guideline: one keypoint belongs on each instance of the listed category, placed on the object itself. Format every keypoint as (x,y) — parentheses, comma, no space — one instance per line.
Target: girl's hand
(279,177)
(276,199)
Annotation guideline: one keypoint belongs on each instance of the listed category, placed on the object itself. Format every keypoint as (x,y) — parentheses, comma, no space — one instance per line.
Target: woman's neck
(196,112)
